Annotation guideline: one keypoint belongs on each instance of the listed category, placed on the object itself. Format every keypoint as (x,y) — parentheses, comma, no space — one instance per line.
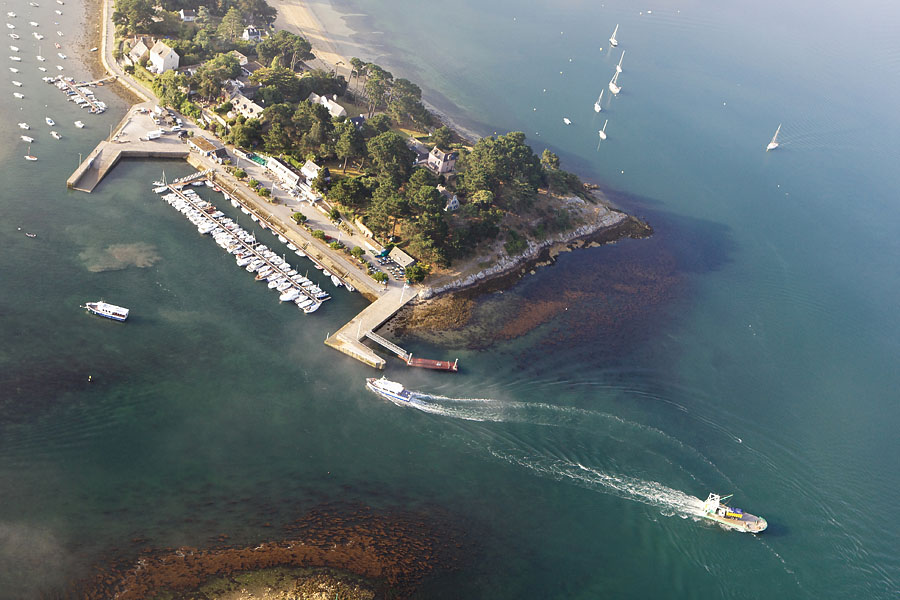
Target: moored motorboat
(79,124)
(50,121)
(56,135)
(27,138)
(733,518)
(110,311)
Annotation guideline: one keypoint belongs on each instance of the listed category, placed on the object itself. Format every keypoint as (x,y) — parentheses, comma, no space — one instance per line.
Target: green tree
(441,136)
(299,218)
(352,193)
(210,76)
(134,16)
(426,200)
(416,272)
(256,11)
(280,79)
(289,48)
(378,84)
(358,69)
(349,144)
(357,252)
(504,165)
(319,234)
(232,26)
(318,183)
(392,158)
(549,160)
(169,88)
(380,276)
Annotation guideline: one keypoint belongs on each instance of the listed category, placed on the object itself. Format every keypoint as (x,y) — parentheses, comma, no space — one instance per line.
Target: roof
(400,257)
(162,50)
(188,12)
(206,145)
(441,155)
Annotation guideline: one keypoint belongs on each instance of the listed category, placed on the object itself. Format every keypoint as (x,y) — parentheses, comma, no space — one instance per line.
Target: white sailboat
(613,87)
(774,143)
(603,131)
(30,156)
(612,39)
(597,107)
(619,66)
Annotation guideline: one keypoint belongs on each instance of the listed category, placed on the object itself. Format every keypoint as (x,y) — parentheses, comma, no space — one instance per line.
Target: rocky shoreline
(450,305)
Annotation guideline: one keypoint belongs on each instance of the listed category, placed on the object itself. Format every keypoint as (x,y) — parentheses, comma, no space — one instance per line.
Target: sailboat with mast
(603,131)
(613,85)
(619,66)
(30,156)
(774,143)
(597,107)
(612,39)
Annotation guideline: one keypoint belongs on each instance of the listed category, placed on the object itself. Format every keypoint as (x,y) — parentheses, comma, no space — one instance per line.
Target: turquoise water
(749,347)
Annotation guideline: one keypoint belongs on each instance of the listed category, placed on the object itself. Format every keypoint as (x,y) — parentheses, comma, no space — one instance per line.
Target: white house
(334,109)
(162,58)
(187,15)
(242,60)
(287,176)
(310,170)
(245,106)
(138,51)
(452,199)
(251,34)
(441,162)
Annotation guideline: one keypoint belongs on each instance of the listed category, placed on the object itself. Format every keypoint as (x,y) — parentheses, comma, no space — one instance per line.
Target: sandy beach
(298,16)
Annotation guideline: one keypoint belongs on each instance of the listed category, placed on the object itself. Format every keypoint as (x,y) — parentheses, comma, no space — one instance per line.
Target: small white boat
(56,135)
(10,25)
(326,272)
(44,69)
(57,11)
(14,36)
(37,35)
(41,58)
(61,55)
(27,138)
(16,58)
(619,66)
(59,67)
(567,121)
(289,295)
(312,307)
(17,83)
(774,143)
(30,156)
(612,39)
(50,121)
(13,70)
(60,2)
(79,124)
(59,33)
(603,131)
(110,311)
(18,95)
(33,4)
(24,126)
(14,48)
(335,281)
(11,15)
(597,107)
(613,85)
(94,49)
(33,23)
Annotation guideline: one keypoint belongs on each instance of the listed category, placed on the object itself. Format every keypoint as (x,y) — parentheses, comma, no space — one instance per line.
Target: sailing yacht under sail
(619,66)
(597,107)
(613,87)
(603,131)
(774,143)
(612,39)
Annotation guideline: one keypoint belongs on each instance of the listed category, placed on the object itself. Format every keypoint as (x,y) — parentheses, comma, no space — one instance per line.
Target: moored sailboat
(619,66)
(597,106)
(613,85)
(612,39)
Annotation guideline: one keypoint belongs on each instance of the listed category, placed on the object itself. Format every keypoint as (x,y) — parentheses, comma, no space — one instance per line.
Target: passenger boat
(391,390)
(733,518)
(110,311)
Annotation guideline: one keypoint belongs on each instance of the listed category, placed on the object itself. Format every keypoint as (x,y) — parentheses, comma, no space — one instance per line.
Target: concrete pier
(349,338)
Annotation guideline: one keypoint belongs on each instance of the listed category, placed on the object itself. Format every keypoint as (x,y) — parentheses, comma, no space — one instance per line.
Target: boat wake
(610,436)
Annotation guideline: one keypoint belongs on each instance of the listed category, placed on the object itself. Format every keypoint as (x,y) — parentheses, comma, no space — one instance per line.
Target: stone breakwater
(508,264)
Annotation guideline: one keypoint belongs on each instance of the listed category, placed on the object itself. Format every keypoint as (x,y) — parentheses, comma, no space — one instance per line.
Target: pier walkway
(349,338)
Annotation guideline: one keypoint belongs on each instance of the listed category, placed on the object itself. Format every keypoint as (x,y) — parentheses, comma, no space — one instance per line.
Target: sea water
(748,347)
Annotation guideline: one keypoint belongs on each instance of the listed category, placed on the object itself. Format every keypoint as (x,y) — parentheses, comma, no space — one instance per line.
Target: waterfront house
(310,170)
(450,197)
(138,50)
(420,149)
(162,58)
(334,109)
(441,162)
(284,173)
(243,105)
(207,147)
(187,15)
(251,34)
(242,60)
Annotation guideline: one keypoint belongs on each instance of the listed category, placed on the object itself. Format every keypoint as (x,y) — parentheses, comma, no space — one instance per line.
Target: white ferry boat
(110,311)
(732,518)
(391,390)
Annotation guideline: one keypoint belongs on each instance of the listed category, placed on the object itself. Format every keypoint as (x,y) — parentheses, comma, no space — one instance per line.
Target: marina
(80,92)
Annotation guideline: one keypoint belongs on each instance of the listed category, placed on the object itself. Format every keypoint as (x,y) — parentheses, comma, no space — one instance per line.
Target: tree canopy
(289,48)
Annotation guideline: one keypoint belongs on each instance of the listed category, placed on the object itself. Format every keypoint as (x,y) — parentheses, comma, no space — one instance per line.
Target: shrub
(514,242)
(336,245)
(299,218)
(334,214)
(240,173)
(265,192)
(380,277)
(253,183)
(318,233)
(416,272)
(357,252)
